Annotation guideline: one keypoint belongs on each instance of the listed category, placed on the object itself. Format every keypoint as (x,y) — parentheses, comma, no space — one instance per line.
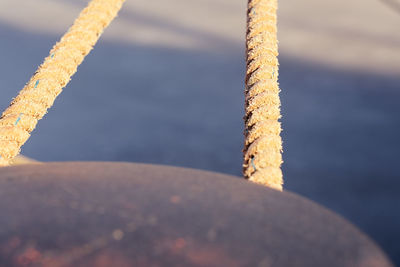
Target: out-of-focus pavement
(165,85)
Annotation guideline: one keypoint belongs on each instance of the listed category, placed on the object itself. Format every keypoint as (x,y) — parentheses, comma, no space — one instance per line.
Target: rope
(38,95)
(263,144)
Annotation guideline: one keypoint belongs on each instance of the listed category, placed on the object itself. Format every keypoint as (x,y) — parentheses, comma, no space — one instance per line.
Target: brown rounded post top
(125,214)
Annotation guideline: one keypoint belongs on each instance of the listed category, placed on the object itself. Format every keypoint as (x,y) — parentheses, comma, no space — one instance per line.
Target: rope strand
(263,144)
(38,95)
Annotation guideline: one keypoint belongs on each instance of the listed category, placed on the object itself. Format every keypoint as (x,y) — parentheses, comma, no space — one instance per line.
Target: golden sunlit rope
(32,103)
(263,144)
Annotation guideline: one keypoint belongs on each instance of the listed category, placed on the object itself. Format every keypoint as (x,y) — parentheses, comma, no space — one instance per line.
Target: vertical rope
(263,144)
(38,95)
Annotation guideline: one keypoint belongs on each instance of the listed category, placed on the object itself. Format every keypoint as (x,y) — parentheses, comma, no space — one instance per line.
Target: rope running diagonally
(38,95)
(263,144)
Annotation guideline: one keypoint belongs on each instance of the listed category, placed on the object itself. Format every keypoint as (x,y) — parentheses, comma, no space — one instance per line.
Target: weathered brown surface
(122,214)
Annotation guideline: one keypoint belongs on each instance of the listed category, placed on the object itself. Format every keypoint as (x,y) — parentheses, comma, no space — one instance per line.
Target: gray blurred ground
(164,85)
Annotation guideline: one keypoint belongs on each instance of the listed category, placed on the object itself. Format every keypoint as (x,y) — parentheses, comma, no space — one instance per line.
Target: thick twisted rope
(263,144)
(38,95)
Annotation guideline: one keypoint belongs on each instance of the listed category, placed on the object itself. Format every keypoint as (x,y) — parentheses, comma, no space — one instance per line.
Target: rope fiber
(263,144)
(20,118)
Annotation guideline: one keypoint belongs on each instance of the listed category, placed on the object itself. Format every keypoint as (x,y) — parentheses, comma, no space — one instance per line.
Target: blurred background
(165,85)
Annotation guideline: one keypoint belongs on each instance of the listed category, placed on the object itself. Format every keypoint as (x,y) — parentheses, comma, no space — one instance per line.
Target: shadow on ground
(168,106)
